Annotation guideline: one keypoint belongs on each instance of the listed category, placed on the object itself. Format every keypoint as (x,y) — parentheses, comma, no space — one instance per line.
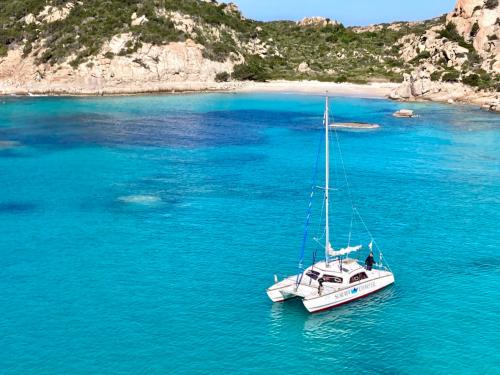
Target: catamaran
(338,278)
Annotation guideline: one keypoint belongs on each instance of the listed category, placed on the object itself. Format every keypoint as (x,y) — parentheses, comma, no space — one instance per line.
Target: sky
(349,12)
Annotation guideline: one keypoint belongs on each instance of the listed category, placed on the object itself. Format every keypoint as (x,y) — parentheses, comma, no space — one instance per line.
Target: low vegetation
(491,4)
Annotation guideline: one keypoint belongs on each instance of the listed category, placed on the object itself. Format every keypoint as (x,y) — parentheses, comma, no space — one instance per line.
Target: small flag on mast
(371,245)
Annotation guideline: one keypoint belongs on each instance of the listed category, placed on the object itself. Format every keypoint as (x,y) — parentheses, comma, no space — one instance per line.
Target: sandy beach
(372,90)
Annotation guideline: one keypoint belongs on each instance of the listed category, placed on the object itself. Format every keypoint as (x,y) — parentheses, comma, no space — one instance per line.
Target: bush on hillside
(222,77)
(252,70)
(471,80)
(491,4)
(436,76)
(217,51)
(450,32)
(421,56)
(451,76)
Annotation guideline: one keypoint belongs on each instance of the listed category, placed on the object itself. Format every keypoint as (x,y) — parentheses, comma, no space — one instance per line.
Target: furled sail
(344,251)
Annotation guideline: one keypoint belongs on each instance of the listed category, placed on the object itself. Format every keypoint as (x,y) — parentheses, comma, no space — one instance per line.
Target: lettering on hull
(355,290)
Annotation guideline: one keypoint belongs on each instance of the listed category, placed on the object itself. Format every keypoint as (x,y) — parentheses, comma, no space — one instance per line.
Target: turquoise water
(138,235)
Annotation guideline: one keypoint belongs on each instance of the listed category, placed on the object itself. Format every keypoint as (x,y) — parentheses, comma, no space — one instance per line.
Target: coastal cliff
(87,47)
(157,49)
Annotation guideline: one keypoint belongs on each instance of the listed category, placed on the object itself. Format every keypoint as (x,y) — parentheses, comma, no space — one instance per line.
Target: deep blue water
(138,235)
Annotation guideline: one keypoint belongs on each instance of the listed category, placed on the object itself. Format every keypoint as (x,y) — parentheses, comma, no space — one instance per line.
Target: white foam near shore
(140,199)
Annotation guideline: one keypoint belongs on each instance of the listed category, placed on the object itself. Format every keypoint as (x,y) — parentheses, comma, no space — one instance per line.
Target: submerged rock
(9,144)
(140,199)
(355,125)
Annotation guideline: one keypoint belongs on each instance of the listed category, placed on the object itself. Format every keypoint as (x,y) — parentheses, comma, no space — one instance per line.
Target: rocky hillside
(458,60)
(113,46)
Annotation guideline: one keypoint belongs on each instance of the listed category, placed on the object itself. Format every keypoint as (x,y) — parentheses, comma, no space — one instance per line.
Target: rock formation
(419,86)
(478,22)
(316,22)
(436,47)
(176,66)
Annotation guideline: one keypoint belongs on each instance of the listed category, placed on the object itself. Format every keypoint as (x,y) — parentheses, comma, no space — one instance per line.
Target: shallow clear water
(138,235)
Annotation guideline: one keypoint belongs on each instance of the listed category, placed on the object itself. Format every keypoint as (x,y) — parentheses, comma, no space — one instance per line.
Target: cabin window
(332,279)
(358,277)
(312,274)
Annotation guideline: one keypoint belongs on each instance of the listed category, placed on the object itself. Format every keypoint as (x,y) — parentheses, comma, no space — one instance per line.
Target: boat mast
(327,182)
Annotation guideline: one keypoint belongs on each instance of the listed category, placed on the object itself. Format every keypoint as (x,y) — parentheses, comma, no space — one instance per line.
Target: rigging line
(320,224)
(350,229)
(309,210)
(371,236)
(343,167)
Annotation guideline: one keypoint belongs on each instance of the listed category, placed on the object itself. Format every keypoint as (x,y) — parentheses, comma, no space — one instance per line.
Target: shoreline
(375,90)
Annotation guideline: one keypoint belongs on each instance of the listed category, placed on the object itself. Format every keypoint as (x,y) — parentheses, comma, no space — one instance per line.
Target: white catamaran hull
(287,289)
(366,287)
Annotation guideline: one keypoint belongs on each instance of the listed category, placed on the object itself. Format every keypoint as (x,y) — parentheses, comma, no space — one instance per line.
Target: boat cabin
(338,271)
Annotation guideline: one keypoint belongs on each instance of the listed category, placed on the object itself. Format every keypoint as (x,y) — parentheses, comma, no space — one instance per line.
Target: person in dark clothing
(369,261)
(320,286)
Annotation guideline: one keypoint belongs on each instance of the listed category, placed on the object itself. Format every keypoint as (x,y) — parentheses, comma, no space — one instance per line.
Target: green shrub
(217,51)
(340,78)
(436,76)
(451,76)
(28,47)
(222,77)
(474,58)
(491,4)
(252,70)
(450,32)
(421,56)
(159,31)
(471,80)
(3,50)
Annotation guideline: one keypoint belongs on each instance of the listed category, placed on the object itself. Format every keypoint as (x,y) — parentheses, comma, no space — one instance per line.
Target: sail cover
(344,251)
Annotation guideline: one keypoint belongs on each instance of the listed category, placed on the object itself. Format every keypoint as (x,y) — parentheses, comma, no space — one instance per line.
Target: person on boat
(320,286)
(369,261)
